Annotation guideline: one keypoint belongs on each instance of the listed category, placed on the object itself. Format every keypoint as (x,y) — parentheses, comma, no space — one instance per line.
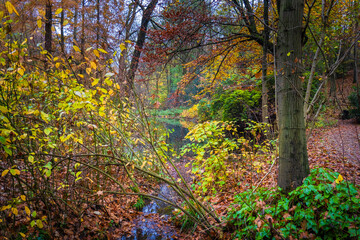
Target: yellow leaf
(93,65)
(3,109)
(44,116)
(58,11)
(39,223)
(14,171)
(96,80)
(96,52)
(66,22)
(102,50)
(31,159)
(22,234)
(339,179)
(11,8)
(23,197)
(21,71)
(14,211)
(88,71)
(122,46)
(39,23)
(5,207)
(76,48)
(4,172)
(80,75)
(27,211)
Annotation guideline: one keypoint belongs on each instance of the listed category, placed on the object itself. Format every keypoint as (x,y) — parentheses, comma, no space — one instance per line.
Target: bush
(355,104)
(325,207)
(237,106)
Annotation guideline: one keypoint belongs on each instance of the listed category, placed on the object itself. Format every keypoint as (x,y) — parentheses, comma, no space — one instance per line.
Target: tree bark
(140,43)
(62,37)
(48,26)
(293,159)
(264,89)
(307,107)
(76,20)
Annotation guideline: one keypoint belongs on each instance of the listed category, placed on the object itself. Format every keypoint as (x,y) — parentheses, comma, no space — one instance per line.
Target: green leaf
(45,116)
(31,159)
(47,131)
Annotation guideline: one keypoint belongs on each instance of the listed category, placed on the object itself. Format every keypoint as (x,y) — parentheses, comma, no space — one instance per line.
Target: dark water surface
(147,228)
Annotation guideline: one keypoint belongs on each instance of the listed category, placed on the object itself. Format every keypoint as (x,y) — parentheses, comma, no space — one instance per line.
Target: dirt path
(337,148)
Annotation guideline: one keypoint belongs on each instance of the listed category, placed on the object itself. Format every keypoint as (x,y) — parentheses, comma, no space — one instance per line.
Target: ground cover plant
(324,207)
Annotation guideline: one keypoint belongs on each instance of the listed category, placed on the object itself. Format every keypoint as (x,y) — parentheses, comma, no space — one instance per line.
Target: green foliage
(204,110)
(355,104)
(212,148)
(140,203)
(324,121)
(325,206)
(236,105)
(186,222)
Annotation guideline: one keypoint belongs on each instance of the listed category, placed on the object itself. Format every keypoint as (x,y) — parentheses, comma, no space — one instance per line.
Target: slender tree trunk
(130,18)
(82,45)
(62,37)
(310,80)
(48,26)
(76,20)
(264,89)
(140,43)
(293,159)
(98,23)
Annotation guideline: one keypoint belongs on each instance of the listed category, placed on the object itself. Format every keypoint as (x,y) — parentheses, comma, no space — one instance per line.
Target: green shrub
(212,149)
(355,104)
(204,110)
(236,105)
(325,207)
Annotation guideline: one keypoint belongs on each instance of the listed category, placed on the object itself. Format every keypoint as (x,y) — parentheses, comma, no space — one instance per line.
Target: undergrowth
(324,207)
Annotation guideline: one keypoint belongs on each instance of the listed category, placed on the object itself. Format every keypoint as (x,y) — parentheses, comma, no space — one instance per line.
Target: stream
(146,227)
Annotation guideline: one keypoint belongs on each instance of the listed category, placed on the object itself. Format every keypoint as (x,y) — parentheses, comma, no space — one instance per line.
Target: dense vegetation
(85,87)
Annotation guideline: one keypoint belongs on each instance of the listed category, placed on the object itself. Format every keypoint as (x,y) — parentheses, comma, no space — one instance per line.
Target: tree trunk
(264,89)
(307,107)
(293,159)
(48,26)
(62,37)
(140,43)
(76,20)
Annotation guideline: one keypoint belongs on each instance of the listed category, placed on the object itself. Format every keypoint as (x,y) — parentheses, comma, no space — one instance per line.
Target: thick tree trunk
(293,159)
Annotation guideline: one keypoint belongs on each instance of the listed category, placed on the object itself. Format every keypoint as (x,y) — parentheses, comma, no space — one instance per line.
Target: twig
(266,174)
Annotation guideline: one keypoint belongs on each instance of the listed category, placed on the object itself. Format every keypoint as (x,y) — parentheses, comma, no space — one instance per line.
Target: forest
(179,119)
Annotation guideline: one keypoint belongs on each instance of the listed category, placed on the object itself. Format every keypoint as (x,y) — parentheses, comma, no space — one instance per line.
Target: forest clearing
(190,119)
